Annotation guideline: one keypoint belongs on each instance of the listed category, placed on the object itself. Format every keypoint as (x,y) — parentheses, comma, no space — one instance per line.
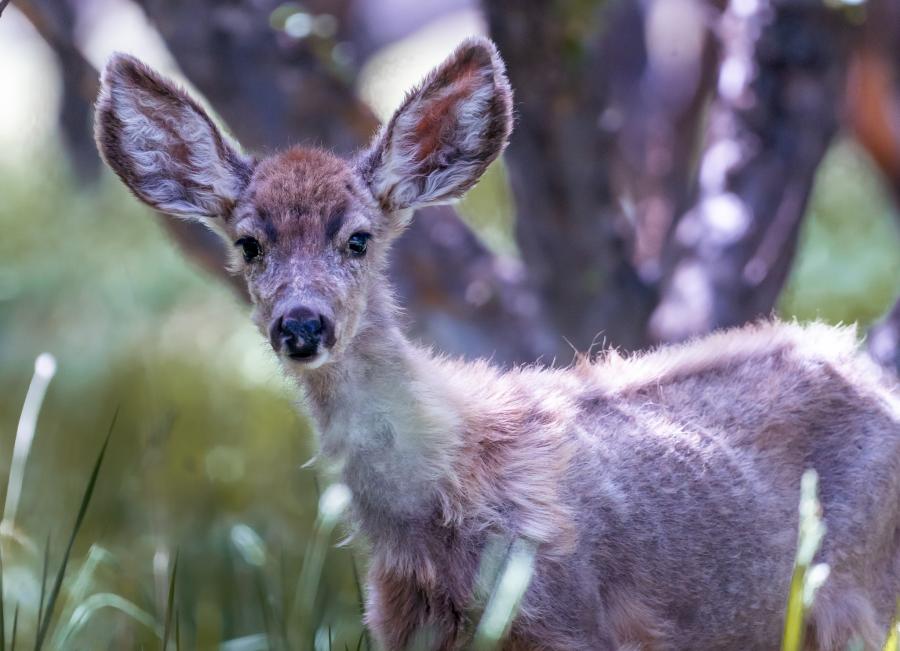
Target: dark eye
(250,247)
(357,243)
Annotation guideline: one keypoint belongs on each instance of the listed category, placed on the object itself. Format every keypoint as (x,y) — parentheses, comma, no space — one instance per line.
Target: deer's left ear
(445,134)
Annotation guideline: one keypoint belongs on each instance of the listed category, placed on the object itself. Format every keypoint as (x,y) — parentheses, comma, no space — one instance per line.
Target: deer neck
(386,422)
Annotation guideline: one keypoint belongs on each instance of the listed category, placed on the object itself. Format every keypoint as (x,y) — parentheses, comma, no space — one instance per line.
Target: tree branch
(570,230)
(732,249)
(883,340)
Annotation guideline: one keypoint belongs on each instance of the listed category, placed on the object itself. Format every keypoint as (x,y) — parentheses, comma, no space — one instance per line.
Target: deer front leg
(403,613)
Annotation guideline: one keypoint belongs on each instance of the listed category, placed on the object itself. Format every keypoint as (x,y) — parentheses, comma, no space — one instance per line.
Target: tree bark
(663,61)
(883,340)
(570,230)
(55,21)
(773,117)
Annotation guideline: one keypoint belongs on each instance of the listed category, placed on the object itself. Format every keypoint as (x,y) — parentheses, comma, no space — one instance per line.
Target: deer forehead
(303,193)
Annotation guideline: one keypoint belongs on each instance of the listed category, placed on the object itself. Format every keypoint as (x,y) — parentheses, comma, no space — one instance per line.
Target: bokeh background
(677,166)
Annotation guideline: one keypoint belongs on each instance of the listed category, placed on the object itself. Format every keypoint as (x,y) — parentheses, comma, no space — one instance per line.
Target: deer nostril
(300,332)
(307,329)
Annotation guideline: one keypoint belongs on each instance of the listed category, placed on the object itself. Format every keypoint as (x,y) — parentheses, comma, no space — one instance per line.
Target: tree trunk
(55,22)
(573,239)
(884,340)
(773,117)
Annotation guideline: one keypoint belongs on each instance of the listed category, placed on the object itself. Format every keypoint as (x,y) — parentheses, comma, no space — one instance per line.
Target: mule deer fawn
(659,490)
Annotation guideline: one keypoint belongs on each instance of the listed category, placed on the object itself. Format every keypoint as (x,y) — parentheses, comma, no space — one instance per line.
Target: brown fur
(659,491)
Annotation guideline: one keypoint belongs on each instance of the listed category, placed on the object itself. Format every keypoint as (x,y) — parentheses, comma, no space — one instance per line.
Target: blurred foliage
(487,208)
(848,265)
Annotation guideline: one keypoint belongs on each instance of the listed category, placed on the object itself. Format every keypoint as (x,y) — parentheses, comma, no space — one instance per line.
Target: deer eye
(357,243)
(250,247)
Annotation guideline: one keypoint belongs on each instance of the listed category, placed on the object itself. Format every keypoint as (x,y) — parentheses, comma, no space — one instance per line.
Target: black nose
(299,332)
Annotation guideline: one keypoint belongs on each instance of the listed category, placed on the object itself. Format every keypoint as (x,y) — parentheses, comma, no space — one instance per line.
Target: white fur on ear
(445,134)
(164,146)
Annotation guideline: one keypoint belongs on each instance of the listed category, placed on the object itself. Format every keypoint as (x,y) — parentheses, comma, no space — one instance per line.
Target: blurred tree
(773,116)
(568,226)
(607,109)
(662,161)
(55,21)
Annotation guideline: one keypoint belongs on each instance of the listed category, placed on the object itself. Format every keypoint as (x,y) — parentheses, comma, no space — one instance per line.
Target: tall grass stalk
(807,578)
(170,604)
(332,504)
(44,622)
(893,639)
(503,604)
(93,604)
(44,370)
(2,613)
(44,568)
(73,612)
(255,642)
(15,628)
(253,551)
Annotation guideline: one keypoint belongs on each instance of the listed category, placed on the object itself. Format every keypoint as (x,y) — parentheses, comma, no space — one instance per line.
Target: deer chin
(309,362)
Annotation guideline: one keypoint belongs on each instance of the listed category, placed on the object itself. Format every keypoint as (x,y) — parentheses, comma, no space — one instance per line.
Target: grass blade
(170,605)
(806,577)
(893,640)
(105,600)
(78,591)
(362,600)
(253,552)
(15,629)
(44,624)
(40,614)
(332,503)
(177,631)
(44,370)
(2,616)
(503,604)
(282,601)
(255,642)
(266,608)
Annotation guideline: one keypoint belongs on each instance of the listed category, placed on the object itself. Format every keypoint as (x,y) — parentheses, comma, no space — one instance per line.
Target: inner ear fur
(164,146)
(445,134)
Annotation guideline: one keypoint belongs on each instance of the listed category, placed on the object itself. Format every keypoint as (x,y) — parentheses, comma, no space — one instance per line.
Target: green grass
(64,615)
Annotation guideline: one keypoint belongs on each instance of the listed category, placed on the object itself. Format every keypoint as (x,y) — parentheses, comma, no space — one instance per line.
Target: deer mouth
(310,360)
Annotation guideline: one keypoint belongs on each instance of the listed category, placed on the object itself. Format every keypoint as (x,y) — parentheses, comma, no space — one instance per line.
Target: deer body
(663,489)
(660,492)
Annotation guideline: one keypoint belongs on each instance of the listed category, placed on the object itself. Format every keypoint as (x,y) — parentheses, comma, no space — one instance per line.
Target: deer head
(308,230)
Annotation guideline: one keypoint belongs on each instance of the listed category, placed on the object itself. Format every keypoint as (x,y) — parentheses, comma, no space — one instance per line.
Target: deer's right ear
(164,146)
